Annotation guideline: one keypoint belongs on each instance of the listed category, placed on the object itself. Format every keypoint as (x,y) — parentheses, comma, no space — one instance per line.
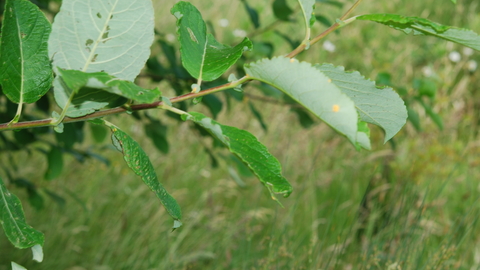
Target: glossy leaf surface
(139,162)
(380,106)
(311,88)
(25,72)
(202,56)
(12,218)
(420,26)
(246,147)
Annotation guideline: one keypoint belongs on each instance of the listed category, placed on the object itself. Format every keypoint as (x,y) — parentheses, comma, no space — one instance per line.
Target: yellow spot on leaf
(292,60)
(329,80)
(335,108)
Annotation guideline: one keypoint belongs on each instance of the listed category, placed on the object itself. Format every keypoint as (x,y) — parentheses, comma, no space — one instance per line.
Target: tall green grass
(412,207)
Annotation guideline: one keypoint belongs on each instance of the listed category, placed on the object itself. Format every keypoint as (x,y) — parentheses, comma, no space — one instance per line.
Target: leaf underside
(245,146)
(307,8)
(25,72)
(111,36)
(420,26)
(311,88)
(139,162)
(202,56)
(12,218)
(381,107)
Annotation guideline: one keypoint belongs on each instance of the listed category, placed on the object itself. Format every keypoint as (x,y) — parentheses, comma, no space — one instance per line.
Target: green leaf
(307,9)
(140,164)
(25,72)
(281,10)
(311,88)
(454,1)
(382,107)
(252,14)
(414,118)
(98,36)
(157,132)
(12,218)
(16,266)
(55,163)
(258,116)
(99,132)
(202,56)
(363,136)
(331,2)
(75,80)
(246,147)
(420,26)
(213,103)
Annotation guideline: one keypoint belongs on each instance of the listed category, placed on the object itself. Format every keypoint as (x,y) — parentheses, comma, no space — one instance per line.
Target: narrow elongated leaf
(202,56)
(382,107)
(112,36)
(25,72)
(139,162)
(252,14)
(75,80)
(307,8)
(311,88)
(12,218)
(16,266)
(420,26)
(245,146)
(281,10)
(55,163)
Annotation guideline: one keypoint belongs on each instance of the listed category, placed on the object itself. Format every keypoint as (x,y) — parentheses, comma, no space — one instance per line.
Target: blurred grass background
(415,206)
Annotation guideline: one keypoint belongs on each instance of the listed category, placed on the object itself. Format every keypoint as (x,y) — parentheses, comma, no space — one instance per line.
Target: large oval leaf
(382,107)
(420,26)
(25,72)
(311,88)
(12,218)
(202,56)
(254,154)
(139,162)
(112,36)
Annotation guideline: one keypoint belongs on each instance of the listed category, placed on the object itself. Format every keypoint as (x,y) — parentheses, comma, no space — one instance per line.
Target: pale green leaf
(16,266)
(139,162)
(245,146)
(311,88)
(12,218)
(75,80)
(37,251)
(420,26)
(25,72)
(202,56)
(307,9)
(112,36)
(380,106)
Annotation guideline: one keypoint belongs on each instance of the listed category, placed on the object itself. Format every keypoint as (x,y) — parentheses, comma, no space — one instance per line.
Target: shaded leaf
(312,89)
(98,36)
(382,107)
(258,116)
(157,132)
(332,3)
(99,132)
(252,14)
(202,56)
(303,117)
(55,163)
(12,218)
(140,164)
(213,103)
(281,10)
(414,118)
(420,26)
(246,147)
(75,80)
(16,266)
(25,72)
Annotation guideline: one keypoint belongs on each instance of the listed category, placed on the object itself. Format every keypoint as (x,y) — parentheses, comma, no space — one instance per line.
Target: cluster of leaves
(93,52)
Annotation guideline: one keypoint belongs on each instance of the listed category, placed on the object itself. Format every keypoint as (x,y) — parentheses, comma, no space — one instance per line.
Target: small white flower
(454,56)
(427,71)
(472,65)
(467,51)
(223,22)
(239,33)
(329,46)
